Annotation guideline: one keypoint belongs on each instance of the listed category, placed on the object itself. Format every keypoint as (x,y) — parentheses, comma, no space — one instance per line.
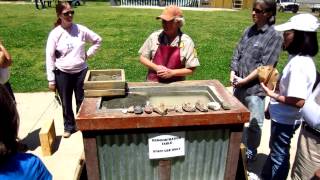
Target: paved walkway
(36,108)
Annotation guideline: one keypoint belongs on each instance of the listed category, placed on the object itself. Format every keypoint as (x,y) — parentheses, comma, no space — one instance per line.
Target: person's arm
(50,61)
(150,65)
(238,81)
(270,56)
(272,50)
(292,101)
(146,53)
(94,39)
(168,73)
(8,61)
(235,59)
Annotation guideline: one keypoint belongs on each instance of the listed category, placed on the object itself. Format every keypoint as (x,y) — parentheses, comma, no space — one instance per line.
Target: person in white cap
(169,54)
(259,46)
(294,87)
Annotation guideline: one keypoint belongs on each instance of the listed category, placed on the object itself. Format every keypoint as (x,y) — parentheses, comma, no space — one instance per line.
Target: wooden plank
(242,165)
(104,85)
(164,169)
(233,152)
(106,92)
(91,156)
(79,168)
(47,137)
(118,72)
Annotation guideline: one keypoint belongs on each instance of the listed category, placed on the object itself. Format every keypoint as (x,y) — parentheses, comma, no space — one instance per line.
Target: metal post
(164,169)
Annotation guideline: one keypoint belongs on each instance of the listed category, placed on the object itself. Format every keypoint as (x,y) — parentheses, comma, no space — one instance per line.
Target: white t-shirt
(311,109)
(297,80)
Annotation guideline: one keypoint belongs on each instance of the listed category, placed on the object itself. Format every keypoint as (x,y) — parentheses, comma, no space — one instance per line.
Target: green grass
(24,31)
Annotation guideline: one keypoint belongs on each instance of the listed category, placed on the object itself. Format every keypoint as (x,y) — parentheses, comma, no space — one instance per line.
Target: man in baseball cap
(168,53)
(170,13)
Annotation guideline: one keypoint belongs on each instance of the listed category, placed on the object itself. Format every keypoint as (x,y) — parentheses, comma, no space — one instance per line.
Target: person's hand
(165,73)
(316,175)
(52,87)
(161,68)
(238,82)
(268,91)
(232,80)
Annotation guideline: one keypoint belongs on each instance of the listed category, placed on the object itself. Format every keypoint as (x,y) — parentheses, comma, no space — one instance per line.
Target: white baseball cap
(300,22)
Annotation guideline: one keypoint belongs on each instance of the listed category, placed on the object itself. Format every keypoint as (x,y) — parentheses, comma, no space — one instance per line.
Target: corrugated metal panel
(125,157)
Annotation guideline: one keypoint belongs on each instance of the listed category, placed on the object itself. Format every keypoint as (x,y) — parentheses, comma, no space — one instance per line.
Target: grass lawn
(24,31)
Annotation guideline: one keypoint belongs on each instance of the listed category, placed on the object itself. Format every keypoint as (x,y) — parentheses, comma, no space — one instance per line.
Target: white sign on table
(166,145)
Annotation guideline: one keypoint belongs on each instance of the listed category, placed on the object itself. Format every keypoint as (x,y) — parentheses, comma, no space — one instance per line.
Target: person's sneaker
(251,157)
(66,134)
(253,176)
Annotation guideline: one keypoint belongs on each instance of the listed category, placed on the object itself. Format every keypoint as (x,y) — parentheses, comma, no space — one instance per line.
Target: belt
(315,132)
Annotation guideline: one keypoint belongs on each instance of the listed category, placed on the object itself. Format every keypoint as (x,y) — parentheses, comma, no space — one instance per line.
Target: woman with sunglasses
(260,45)
(168,53)
(295,86)
(66,61)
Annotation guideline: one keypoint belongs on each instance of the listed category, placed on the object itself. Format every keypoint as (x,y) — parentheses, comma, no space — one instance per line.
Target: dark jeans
(8,86)
(277,164)
(41,2)
(66,85)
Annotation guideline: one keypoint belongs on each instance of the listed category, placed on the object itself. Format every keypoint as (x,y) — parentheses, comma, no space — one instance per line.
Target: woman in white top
(66,61)
(296,83)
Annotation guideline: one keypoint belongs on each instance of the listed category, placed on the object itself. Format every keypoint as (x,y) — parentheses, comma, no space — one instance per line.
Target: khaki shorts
(307,159)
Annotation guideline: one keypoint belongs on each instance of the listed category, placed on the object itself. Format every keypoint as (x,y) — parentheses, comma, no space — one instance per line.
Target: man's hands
(237,81)
(164,72)
(316,175)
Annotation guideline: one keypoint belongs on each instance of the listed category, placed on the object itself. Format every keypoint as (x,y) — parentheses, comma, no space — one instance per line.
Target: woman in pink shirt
(66,61)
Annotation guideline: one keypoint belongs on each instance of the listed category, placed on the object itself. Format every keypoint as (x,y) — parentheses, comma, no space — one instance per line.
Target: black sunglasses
(257,11)
(68,13)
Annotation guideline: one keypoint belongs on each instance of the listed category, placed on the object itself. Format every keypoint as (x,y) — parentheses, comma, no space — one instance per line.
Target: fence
(182,3)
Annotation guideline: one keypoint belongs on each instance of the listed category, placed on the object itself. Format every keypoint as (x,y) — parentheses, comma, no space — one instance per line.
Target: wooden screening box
(47,137)
(107,82)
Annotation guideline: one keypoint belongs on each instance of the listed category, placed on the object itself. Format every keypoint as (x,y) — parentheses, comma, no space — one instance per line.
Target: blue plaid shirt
(256,48)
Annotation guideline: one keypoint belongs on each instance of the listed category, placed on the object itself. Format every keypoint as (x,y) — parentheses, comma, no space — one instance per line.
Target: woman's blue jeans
(277,164)
(252,135)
